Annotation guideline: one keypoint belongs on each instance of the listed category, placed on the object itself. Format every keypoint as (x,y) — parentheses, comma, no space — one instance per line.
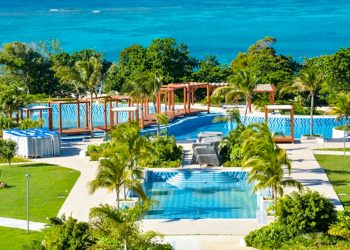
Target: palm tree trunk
(124,192)
(118,200)
(345,130)
(246,109)
(90,111)
(312,114)
(160,111)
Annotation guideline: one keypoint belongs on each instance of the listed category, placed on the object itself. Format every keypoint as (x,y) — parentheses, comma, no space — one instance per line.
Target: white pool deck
(190,234)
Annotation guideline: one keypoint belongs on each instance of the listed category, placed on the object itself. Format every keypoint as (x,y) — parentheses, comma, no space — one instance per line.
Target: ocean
(216,27)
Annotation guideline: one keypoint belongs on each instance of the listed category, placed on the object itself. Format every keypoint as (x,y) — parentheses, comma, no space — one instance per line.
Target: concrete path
(79,200)
(306,170)
(21,224)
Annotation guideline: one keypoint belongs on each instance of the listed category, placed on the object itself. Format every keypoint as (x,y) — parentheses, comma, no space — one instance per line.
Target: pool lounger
(206,155)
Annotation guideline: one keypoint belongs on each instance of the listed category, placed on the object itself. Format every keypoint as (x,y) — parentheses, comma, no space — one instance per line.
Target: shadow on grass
(337,172)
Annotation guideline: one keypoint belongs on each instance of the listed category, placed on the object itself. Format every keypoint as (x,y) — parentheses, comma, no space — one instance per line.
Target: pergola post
(27,114)
(292,123)
(87,108)
(208,97)
(266,115)
(111,115)
(50,118)
(105,114)
(189,98)
(185,100)
(60,117)
(78,113)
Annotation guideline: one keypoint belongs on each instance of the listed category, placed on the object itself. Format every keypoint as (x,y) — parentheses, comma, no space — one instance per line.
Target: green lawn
(14,239)
(337,168)
(49,187)
(334,149)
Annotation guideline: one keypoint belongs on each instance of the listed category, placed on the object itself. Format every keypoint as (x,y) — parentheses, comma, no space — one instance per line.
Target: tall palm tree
(309,80)
(243,83)
(113,173)
(84,74)
(266,161)
(341,108)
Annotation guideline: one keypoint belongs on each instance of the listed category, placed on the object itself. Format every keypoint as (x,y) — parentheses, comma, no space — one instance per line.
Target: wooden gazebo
(290,108)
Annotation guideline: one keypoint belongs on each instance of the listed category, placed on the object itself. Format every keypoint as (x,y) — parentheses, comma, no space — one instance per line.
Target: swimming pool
(188,128)
(199,194)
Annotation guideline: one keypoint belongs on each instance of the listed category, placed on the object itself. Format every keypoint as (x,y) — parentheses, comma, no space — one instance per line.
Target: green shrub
(165,152)
(8,150)
(315,241)
(29,123)
(268,237)
(231,151)
(96,151)
(342,227)
(305,213)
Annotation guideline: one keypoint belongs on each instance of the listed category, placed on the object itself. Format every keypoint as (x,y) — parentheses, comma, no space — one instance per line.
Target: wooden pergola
(78,129)
(188,90)
(29,110)
(282,139)
(130,110)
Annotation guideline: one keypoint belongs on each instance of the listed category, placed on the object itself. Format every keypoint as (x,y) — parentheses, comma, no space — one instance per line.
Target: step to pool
(201,177)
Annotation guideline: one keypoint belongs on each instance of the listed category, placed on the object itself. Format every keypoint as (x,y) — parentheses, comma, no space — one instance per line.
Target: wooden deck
(284,139)
(149,120)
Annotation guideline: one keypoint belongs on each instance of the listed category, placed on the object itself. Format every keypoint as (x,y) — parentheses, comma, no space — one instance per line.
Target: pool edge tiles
(200,194)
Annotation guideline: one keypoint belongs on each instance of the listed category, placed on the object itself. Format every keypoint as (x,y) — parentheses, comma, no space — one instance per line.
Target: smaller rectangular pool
(197,194)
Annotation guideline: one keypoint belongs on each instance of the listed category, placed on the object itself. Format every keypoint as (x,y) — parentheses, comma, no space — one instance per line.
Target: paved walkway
(306,169)
(21,224)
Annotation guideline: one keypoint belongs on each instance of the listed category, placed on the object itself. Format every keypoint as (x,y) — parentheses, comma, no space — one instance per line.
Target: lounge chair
(206,155)
(208,134)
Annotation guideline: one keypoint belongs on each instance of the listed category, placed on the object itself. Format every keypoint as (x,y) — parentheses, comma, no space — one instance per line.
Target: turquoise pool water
(225,27)
(200,194)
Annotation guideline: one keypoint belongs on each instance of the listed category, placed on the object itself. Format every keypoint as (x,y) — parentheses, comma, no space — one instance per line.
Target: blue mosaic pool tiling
(200,194)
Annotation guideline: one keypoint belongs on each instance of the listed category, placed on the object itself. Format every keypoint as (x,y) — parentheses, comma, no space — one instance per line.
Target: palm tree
(266,161)
(113,174)
(233,115)
(309,80)
(137,87)
(163,119)
(153,89)
(243,83)
(84,74)
(341,108)
(137,146)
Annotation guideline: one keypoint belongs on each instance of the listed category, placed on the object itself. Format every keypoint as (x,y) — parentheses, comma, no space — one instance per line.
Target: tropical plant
(341,108)
(8,150)
(308,212)
(165,153)
(298,216)
(120,229)
(86,74)
(266,161)
(68,234)
(137,146)
(244,83)
(233,115)
(113,174)
(341,228)
(231,151)
(310,80)
(163,119)
(29,123)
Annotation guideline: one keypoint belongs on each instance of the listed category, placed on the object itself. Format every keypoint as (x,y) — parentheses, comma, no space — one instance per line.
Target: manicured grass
(49,187)
(14,239)
(15,159)
(337,168)
(334,149)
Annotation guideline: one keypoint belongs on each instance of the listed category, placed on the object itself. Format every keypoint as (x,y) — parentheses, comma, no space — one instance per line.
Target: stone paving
(21,224)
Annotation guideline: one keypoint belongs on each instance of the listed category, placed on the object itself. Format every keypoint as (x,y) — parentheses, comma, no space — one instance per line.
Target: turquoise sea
(220,27)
